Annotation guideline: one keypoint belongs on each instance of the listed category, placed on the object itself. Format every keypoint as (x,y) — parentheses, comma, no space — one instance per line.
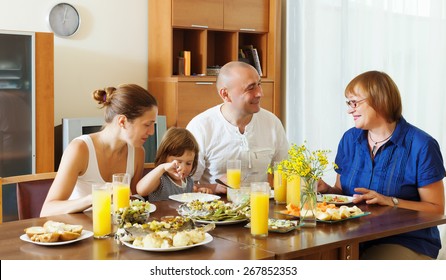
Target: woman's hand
(371,197)
(220,189)
(204,190)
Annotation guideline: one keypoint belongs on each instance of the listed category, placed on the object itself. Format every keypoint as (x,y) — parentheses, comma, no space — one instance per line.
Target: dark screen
(91,129)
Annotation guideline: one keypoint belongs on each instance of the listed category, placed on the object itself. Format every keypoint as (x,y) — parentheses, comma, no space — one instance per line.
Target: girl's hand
(172,168)
(371,197)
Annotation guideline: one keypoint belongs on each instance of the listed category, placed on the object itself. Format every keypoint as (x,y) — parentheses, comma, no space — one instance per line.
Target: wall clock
(64,19)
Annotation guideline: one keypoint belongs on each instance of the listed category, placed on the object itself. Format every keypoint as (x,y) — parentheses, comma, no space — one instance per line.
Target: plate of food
(335,199)
(137,212)
(140,245)
(188,197)
(227,222)
(328,212)
(279,225)
(216,211)
(344,219)
(84,235)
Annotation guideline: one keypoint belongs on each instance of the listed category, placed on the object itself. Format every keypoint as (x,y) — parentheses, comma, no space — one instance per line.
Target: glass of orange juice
(293,191)
(121,191)
(101,195)
(260,192)
(233,175)
(279,185)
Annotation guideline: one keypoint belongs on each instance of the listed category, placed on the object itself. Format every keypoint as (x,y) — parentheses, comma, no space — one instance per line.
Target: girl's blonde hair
(174,143)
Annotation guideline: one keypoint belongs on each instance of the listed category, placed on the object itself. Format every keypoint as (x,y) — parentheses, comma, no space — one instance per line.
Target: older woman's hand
(371,197)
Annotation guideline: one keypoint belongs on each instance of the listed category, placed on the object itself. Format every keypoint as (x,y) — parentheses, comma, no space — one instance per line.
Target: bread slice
(68,235)
(46,237)
(73,228)
(31,231)
(53,231)
(52,226)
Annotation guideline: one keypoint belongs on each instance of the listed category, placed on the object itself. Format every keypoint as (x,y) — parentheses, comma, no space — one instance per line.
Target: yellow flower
(304,163)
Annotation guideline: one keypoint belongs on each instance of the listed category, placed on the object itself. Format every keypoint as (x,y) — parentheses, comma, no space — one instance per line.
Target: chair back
(148,166)
(32,190)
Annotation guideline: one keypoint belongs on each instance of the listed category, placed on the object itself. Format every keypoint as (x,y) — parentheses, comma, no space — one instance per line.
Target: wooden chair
(148,166)
(31,192)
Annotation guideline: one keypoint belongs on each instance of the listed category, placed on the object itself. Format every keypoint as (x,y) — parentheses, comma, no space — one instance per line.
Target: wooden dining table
(338,240)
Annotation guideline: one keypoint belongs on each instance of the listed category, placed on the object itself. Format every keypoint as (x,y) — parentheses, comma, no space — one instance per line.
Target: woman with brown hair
(130,114)
(385,160)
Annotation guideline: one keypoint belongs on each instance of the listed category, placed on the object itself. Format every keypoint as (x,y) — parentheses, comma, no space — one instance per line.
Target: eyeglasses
(354,103)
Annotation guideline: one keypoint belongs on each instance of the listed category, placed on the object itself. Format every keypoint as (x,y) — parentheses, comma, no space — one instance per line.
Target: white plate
(207,238)
(328,196)
(84,235)
(221,222)
(188,197)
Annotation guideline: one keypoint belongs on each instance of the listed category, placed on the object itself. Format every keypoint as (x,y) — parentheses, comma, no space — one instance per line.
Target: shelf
(213,31)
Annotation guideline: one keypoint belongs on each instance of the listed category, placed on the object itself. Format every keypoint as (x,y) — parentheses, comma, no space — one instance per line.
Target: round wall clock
(64,19)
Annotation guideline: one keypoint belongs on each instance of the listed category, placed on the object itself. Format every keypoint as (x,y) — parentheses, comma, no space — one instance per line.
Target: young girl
(175,163)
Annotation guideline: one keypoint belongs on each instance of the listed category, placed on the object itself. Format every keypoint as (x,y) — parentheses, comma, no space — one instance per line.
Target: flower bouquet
(310,167)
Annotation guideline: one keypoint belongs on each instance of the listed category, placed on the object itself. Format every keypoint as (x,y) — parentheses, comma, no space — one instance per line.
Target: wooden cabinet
(36,77)
(44,102)
(213,31)
(246,15)
(191,93)
(197,13)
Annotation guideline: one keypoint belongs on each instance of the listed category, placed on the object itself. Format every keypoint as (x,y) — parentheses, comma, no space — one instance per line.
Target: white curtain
(329,42)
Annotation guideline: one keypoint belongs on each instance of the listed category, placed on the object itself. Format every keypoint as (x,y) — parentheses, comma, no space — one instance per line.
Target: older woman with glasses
(385,160)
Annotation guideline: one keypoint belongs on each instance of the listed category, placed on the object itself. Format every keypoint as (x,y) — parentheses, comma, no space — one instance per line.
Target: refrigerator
(17,124)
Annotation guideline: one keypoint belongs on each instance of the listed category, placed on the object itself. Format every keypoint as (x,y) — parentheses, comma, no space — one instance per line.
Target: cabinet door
(194,98)
(246,15)
(197,13)
(267,101)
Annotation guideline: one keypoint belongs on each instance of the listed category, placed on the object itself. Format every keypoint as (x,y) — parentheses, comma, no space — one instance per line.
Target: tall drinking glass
(279,185)
(259,208)
(101,194)
(121,191)
(233,175)
(293,191)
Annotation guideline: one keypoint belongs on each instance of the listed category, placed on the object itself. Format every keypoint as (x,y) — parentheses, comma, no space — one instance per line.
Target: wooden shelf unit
(213,31)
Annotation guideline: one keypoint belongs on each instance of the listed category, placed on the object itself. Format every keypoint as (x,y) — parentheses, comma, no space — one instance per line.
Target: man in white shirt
(238,128)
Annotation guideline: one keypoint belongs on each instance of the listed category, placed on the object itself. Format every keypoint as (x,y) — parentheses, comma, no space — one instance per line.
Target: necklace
(375,146)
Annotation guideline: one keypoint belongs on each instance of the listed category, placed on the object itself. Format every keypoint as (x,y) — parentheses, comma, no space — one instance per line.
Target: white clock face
(64,19)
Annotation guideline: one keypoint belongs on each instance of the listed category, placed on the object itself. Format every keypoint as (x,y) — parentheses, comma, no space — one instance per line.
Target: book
(181,66)
(252,56)
(187,63)
(257,64)
(184,63)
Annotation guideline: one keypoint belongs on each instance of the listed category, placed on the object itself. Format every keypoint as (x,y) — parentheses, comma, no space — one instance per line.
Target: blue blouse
(410,160)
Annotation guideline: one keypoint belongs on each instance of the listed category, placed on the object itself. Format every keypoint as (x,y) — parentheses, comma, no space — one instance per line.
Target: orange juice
(279,187)
(293,191)
(233,177)
(259,209)
(121,196)
(101,211)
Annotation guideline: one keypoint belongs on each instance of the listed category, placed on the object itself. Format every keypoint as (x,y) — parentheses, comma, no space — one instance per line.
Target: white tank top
(92,174)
